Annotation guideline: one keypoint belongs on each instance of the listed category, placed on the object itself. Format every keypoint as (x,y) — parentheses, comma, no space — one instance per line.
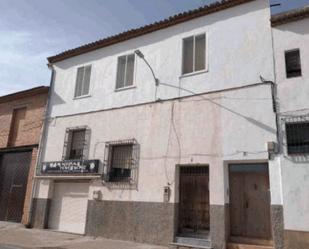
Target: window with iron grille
(125,71)
(82,81)
(194,54)
(76,143)
(122,161)
(292,63)
(297,135)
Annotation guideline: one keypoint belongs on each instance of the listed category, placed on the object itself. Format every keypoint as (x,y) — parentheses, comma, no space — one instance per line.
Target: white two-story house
(163,134)
(291,53)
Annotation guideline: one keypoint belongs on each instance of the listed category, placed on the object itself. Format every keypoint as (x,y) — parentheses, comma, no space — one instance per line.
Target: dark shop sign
(71,167)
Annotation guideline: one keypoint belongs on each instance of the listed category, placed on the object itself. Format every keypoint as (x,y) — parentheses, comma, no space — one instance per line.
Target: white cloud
(23,60)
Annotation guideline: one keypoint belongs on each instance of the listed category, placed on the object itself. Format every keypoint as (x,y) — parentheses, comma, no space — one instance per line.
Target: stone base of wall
(143,222)
(40,212)
(219,225)
(277,226)
(296,239)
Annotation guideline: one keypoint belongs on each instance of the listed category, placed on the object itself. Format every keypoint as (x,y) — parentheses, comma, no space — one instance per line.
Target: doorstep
(191,243)
(247,246)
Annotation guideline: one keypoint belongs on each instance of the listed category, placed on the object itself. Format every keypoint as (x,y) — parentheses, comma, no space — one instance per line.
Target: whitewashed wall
(212,129)
(238,51)
(293,95)
(209,129)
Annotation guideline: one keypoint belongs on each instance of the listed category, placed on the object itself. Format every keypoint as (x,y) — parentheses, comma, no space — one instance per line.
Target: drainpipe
(274,89)
(41,144)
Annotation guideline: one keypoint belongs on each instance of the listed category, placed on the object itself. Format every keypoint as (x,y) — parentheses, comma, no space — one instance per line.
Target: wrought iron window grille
(68,151)
(121,161)
(297,135)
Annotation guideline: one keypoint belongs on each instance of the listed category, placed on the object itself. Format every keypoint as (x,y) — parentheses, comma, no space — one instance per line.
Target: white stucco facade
(293,101)
(216,117)
(238,51)
(227,126)
(205,131)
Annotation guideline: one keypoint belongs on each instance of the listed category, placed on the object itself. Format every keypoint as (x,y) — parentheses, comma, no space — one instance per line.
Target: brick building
(21,119)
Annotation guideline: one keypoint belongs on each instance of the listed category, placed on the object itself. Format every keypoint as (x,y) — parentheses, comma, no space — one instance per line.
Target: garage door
(69,207)
(14,169)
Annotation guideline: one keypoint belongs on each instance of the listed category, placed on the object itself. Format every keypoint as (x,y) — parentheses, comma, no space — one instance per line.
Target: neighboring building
(291,49)
(21,119)
(185,161)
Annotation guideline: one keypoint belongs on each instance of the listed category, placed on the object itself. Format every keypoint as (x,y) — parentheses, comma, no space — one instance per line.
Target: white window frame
(206,54)
(125,72)
(84,95)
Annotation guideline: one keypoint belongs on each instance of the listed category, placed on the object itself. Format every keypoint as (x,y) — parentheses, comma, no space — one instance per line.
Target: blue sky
(31,30)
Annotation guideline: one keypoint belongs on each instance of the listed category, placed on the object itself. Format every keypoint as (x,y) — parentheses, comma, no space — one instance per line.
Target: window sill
(124,88)
(131,185)
(69,177)
(82,97)
(193,73)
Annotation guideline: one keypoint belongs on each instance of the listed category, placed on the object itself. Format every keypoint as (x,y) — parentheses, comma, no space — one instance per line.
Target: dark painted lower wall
(219,225)
(143,222)
(296,239)
(277,226)
(40,212)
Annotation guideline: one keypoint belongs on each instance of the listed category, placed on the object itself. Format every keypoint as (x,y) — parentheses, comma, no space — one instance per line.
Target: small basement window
(293,64)
(297,135)
(82,81)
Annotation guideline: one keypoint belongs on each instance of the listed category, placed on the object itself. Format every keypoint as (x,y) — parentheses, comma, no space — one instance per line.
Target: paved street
(15,236)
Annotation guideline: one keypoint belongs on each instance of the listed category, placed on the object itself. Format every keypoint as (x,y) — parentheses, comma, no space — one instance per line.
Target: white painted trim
(125,72)
(206,55)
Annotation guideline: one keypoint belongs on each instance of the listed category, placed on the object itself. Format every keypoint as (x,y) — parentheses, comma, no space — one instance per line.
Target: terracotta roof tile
(24,93)
(170,21)
(290,16)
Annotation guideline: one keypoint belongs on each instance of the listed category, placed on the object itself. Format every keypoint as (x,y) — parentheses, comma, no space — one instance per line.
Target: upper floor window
(194,54)
(76,143)
(82,81)
(292,63)
(297,135)
(125,71)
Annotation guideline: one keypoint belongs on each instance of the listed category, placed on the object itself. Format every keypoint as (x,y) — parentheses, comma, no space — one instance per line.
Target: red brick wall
(29,132)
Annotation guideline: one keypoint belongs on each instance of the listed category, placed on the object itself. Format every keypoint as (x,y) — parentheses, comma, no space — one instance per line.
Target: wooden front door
(14,169)
(194,201)
(250,201)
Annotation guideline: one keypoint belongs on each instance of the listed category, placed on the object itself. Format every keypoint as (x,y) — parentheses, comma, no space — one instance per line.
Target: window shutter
(86,144)
(130,70)
(121,72)
(200,50)
(67,144)
(187,57)
(79,82)
(293,64)
(122,156)
(86,80)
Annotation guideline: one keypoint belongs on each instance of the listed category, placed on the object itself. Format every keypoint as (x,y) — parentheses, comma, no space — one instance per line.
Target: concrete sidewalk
(15,236)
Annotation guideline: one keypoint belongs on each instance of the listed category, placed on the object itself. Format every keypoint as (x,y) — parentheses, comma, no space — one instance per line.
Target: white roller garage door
(69,207)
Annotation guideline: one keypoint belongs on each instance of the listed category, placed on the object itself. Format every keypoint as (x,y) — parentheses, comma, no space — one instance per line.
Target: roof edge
(24,94)
(133,33)
(290,16)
